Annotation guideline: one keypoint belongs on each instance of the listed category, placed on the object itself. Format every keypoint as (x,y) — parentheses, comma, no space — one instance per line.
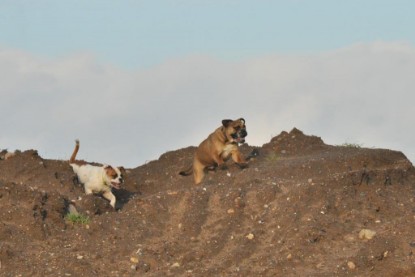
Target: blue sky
(134,79)
(138,34)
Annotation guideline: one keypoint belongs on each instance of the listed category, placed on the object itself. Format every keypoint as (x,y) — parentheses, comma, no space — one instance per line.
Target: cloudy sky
(134,79)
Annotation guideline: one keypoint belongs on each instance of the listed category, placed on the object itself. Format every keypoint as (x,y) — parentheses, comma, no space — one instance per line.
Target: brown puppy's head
(114,176)
(235,130)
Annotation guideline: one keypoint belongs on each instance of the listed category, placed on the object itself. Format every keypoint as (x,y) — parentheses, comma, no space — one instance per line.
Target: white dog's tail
(75,151)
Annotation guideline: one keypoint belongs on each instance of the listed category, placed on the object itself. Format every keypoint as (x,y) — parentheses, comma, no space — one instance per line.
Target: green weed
(77,218)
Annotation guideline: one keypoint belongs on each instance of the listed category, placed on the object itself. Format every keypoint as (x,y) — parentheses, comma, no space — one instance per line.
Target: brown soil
(297,210)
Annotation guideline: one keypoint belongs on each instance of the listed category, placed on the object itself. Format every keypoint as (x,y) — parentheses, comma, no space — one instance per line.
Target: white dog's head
(113,176)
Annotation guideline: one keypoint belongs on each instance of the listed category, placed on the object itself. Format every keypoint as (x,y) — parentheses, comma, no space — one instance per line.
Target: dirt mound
(301,208)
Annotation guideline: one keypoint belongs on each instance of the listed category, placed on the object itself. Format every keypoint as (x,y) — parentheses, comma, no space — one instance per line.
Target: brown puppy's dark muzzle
(239,137)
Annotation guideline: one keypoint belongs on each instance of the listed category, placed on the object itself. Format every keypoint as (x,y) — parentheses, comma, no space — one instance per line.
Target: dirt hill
(301,208)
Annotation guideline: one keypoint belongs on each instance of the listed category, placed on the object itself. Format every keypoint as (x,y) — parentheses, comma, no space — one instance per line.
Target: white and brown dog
(97,179)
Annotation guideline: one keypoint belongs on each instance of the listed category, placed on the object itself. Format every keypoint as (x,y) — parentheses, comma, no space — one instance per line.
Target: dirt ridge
(297,210)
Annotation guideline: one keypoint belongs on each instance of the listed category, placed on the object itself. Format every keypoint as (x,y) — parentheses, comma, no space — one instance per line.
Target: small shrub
(352,145)
(77,218)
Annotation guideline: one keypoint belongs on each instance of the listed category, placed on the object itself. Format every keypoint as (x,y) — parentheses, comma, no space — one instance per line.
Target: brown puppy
(217,148)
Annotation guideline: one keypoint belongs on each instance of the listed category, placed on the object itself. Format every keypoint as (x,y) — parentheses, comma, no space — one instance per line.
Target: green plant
(352,145)
(77,218)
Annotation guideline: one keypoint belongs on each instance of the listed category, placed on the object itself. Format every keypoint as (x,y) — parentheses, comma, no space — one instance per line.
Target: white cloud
(361,93)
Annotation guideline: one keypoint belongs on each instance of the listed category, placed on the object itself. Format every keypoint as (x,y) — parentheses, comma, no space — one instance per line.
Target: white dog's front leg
(108,195)
(87,189)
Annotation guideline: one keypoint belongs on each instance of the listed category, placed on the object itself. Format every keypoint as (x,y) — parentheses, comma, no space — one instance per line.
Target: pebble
(351,265)
(134,260)
(175,265)
(366,234)
(289,256)
(250,236)
(231,211)
(79,257)
(72,209)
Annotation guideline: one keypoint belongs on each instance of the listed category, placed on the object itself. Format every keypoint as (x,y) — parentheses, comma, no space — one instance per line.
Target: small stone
(366,234)
(79,257)
(133,267)
(250,236)
(175,265)
(228,174)
(310,181)
(134,260)
(72,209)
(289,256)
(231,211)
(351,265)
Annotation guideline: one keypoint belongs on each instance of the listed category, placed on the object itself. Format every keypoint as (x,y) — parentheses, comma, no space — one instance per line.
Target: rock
(72,209)
(366,234)
(134,260)
(351,265)
(175,265)
(231,211)
(250,236)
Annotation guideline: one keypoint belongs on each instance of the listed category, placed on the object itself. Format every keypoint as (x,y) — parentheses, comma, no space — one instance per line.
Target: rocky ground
(301,208)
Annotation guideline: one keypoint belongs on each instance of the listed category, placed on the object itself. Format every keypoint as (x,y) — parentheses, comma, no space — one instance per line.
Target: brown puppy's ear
(226,122)
(243,120)
(122,169)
